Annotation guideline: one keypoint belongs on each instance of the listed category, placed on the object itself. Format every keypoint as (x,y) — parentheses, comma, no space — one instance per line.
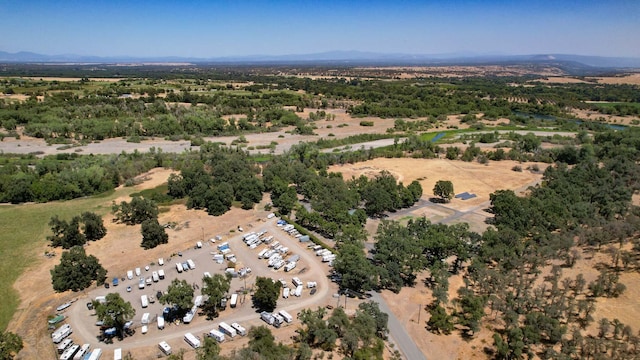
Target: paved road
(398,334)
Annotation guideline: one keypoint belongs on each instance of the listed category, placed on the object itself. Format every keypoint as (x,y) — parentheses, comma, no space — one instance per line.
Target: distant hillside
(573,64)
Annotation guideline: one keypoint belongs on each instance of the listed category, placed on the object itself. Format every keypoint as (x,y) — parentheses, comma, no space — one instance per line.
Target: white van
(160,261)
(165,348)
(144,301)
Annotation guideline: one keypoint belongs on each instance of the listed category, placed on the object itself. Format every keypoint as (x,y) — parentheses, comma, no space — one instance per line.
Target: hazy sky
(235,27)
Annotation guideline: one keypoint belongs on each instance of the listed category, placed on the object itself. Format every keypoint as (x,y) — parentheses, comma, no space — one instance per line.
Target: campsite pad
(465,196)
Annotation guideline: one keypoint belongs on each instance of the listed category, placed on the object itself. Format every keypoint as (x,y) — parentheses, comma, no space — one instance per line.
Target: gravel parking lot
(309,268)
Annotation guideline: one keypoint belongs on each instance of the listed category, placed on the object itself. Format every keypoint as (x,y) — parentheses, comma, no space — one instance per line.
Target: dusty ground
(598,116)
(471,177)
(631,79)
(34,287)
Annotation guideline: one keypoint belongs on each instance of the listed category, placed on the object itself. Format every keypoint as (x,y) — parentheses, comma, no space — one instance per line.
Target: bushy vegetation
(76,271)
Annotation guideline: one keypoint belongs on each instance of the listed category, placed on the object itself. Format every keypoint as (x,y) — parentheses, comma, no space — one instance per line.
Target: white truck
(144,300)
(145,318)
(192,265)
(179,267)
(130,274)
(287,317)
(188,317)
(160,261)
(262,252)
(227,329)
(280,263)
(298,291)
(285,293)
(141,283)
(277,320)
(160,322)
(218,335)
(137,271)
(234,300)
(239,329)
(197,301)
(296,281)
(161,274)
(155,276)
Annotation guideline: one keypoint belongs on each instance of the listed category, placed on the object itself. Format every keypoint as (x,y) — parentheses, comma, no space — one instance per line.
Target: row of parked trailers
(276,319)
(68,351)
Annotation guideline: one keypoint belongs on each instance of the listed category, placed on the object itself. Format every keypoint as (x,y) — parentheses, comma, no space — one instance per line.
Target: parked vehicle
(155,277)
(191,264)
(234,300)
(145,318)
(165,348)
(117,354)
(192,340)
(239,329)
(296,281)
(137,271)
(64,345)
(69,352)
(130,274)
(179,267)
(267,317)
(160,262)
(290,266)
(144,301)
(160,322)
(298,291)
(161,274)
(141,283)
(95,354)
(287,317)
(227,329)
(115,281)
(285,293)
(219,336)
(84,349)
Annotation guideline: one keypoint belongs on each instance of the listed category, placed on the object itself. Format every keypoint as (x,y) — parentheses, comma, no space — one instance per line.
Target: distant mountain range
(339,57)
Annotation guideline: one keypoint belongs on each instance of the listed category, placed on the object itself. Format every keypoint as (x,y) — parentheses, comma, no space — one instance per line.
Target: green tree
(444,190)
(356,270)
(93,226)
(76,271)
(380,318)
(180,294)
(114,312)
(66,234)
(472,309)
(136,211)
(266,295)
(439,322)
(215,287)
(10,345)
(153,234)
(210,350)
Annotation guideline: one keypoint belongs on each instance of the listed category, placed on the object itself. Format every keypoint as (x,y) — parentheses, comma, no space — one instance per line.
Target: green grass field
(25,228)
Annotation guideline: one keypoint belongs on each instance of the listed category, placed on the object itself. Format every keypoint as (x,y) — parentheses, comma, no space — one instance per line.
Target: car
(128,288)
(90,305)
(313,291)
(106,285)
(158,294)
(179,253)
(146,268)
(151,299)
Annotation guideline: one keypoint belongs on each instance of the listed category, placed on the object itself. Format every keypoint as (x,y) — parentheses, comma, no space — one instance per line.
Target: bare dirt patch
(471,177)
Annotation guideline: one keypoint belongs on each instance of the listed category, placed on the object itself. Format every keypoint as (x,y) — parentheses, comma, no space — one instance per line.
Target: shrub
(366,123)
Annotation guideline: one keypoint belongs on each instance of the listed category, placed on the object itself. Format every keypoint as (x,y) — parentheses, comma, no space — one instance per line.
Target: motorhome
(234,300)
(296,281)
(179,267)
(285,293)
(218,335)
(239,329)
(117,354)
(267,317)
(68,354)
(161,274)
(130,274)
(160,322)
(192,340)
(165,348)
(192,265)
(227,329)
(84,349)
(137,271)
(144,300)
(287,317)
(155,276)
(145,318)
(160,261)
(64,345)
(95,354)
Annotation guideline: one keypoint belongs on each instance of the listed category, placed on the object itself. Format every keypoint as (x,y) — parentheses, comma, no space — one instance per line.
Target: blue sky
(236,27)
